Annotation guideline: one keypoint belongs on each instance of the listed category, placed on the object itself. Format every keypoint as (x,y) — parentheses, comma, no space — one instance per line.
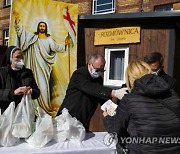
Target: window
(103,6)
(6,37)
(163,8)
(7,2)
(116,63)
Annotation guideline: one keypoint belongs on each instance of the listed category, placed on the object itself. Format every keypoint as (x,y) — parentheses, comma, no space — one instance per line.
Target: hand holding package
(110,106)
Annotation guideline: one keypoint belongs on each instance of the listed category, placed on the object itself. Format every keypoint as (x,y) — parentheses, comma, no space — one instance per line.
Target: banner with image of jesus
(46,31)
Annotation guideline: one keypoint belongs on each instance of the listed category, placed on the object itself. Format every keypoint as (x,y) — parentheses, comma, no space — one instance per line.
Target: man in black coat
(15,79)
(85,90)
(155,61)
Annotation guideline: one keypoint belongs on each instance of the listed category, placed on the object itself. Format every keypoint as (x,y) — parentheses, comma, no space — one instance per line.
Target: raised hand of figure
(16,16)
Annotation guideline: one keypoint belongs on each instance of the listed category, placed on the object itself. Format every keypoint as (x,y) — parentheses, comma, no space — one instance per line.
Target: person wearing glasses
(86,90)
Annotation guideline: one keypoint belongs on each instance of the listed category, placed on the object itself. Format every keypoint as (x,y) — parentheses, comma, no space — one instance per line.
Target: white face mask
(95,73)
(18,64)
(156,72)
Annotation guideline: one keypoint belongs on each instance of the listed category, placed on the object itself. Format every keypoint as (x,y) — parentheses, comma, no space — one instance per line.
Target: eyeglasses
(98,69)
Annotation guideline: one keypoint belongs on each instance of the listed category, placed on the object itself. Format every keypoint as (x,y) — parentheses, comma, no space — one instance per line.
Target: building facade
(86,8)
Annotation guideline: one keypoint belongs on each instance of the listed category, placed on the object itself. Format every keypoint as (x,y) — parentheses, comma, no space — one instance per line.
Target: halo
(42,19)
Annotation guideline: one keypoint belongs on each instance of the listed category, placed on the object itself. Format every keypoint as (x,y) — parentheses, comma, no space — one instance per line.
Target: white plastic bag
(43,131)
(24,118)
(6,137)
(68,128)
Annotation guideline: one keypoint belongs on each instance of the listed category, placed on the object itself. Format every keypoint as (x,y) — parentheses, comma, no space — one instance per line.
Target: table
(92,144)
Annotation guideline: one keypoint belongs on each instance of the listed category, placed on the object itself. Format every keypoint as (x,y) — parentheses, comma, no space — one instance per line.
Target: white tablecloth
(92,144)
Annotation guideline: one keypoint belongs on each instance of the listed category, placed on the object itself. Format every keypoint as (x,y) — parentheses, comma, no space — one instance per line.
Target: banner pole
(69,62)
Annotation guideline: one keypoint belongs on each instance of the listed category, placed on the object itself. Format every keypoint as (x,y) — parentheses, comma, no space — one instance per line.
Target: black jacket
(142,114)
(169,80)
(11,80)
(83,94)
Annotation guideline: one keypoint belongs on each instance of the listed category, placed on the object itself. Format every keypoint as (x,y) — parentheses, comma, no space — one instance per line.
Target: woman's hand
(105,113)
(20,91)
(29,90)
(23,90)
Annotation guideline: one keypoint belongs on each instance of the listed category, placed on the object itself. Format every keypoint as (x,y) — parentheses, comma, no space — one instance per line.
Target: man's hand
(119,93)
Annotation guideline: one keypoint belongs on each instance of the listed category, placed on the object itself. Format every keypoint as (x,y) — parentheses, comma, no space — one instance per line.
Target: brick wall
(176,6)
(4,19)
(83,5)
(149,4)
(124,6)
(85,8)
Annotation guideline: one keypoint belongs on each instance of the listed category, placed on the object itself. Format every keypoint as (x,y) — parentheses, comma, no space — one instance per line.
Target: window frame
(5,37)
(162,7)
(6,3)
(110,82)
(95,11)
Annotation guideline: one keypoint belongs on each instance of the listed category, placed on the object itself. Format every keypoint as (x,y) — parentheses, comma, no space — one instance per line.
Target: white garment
(39,55)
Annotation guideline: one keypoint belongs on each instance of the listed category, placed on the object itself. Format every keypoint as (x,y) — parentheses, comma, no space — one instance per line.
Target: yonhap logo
(110,140)
(150,140)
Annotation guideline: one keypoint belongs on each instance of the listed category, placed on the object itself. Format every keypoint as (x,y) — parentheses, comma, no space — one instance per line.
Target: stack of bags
(19,123)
